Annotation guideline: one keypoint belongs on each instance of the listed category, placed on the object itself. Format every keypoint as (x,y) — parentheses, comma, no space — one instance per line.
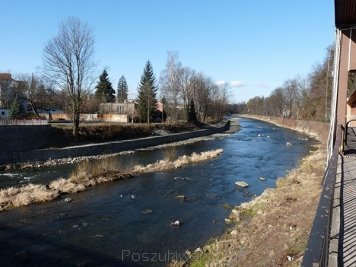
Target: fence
(317,250)
(6,122)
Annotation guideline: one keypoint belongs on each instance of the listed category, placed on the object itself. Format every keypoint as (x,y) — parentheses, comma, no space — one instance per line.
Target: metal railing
(317,250)
(349,125)
(5,122)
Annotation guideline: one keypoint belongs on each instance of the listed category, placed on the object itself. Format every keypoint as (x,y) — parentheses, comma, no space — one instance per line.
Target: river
(129,222)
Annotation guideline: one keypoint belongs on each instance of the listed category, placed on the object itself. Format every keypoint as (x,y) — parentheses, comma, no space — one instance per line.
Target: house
(6,89)
(53,114)
(11,89)
(118,112)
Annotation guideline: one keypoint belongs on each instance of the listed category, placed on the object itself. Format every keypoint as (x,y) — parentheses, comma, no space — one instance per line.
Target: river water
(128,223)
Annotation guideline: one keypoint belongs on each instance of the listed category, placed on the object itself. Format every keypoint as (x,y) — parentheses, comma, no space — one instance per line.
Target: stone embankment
(21,147)
(316,129)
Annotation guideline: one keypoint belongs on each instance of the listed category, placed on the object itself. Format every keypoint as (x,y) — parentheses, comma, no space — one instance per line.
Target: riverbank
(36,158)
(273,228)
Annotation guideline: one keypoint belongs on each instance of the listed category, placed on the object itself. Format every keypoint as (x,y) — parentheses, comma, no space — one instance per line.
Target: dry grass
(274,225)
(183,160)
(89,174)
(17,197)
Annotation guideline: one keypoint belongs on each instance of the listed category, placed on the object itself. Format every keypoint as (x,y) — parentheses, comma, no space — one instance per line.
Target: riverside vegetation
(87,175)
(273,228)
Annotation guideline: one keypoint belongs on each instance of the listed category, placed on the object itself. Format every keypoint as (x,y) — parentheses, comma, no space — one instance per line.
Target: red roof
(5,76)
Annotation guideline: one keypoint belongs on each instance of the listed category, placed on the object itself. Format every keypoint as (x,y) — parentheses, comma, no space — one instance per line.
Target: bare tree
(218,102)
(187,94)
(171,85)
(68,62)
(182,85)
(202,90)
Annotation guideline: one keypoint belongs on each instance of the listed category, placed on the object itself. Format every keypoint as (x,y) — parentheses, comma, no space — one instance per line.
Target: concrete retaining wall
(12,157)
(23,137)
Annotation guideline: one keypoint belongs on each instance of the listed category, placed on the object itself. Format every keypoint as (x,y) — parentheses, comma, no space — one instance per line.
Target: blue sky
(255,44)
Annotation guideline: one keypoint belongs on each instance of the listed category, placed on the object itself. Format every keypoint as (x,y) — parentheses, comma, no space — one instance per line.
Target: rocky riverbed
(272,229)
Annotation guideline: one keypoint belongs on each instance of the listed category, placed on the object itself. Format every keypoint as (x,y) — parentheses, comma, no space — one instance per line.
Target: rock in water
(241,184)
(198,250)
(227,221)
(67,199)
(176,223)
(180,197)
(148,211)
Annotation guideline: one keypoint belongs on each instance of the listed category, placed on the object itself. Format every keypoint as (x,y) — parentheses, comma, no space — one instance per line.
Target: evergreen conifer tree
(122,89)
(147,91)
(16,109)
(104,90)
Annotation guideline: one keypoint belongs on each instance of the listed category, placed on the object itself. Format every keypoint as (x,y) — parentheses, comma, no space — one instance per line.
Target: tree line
(300,98)
(185,91)
(68,75)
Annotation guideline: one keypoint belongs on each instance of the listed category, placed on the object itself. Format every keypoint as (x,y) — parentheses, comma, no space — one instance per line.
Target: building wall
(6,92)
(117,108)
(123,118)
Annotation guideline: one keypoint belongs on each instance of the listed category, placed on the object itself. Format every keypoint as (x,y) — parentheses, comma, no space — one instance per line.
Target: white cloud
(236,84)
(221,84)
(232,84)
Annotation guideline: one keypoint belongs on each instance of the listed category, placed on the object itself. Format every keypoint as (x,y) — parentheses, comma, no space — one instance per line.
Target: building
(118,112)
(351,110)
(11,89)
(343,108)
(6,89)
(332,238)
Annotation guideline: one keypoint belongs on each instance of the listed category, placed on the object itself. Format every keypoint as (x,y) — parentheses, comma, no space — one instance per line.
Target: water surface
(129,222)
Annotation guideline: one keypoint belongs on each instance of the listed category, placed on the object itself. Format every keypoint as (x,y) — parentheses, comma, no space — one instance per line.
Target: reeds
(183,160)
(25,195)
(89,174)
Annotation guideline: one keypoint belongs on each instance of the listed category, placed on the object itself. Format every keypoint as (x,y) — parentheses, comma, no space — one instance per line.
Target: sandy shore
(273,229)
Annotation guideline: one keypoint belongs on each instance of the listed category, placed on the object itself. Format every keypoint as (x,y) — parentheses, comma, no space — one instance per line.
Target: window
(120,109)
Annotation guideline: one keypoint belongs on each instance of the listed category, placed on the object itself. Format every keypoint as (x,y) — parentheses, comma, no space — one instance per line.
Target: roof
(5,76)
(345,13)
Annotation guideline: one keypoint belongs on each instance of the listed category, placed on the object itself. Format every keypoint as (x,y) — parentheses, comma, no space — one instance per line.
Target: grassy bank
(104,132)
(272,229)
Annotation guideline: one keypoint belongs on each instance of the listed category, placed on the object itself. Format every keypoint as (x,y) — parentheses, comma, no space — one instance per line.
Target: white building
(118,112)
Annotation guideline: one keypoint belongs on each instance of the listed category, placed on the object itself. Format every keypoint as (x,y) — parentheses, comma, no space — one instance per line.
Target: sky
(252,45)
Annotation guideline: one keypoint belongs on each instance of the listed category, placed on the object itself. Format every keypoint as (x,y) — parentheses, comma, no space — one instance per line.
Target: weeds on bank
(89,174)
(277,216)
